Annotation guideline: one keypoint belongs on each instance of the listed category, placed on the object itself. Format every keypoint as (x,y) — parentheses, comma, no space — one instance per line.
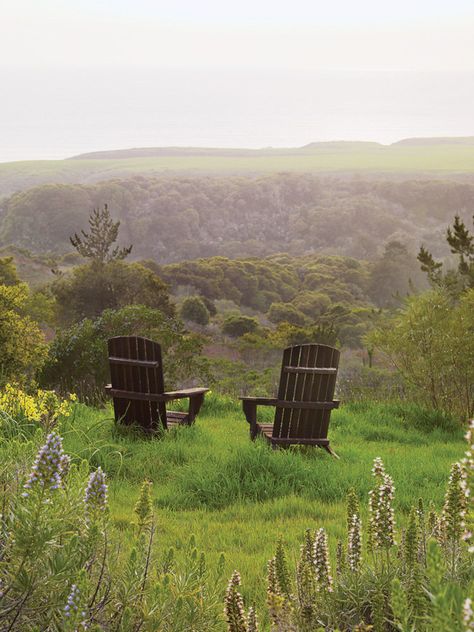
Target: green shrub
(195,310)
(431,344)
(22,343)
(77,358)
(237,326)
(286,313)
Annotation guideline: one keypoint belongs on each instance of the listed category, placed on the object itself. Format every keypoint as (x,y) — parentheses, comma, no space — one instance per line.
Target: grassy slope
(440,157)
(238,498)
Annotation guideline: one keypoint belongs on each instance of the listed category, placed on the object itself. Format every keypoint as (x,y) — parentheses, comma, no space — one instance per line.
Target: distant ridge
(155,152)
(315,147)
(447,140)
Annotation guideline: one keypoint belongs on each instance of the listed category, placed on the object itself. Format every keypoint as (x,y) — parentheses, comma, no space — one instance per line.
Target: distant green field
(433,158)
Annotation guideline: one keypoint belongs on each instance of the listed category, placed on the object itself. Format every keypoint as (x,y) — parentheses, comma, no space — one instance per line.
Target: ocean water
(49,114)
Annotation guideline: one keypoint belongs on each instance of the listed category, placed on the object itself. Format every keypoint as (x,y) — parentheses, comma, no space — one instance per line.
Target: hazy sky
(313,34)
(83,75)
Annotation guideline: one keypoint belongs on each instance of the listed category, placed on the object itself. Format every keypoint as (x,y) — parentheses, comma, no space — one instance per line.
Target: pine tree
(97,244)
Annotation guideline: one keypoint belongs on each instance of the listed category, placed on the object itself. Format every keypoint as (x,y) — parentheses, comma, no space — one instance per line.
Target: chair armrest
(185,392)
(192,393)
(260,401)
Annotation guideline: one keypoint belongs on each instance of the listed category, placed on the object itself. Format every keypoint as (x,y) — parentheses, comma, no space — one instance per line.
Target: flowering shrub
(63,567)
(419,583)
(42,407)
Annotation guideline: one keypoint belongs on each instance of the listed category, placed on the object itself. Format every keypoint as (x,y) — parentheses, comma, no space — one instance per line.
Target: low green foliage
(237,497)
(430,343)
(77,359)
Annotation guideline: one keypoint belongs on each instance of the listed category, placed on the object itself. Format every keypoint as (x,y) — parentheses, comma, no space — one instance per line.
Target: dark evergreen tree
(461,243)
(97,244)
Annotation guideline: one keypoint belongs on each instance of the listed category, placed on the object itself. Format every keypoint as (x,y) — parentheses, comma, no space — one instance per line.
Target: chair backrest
(308,375)
(136,367)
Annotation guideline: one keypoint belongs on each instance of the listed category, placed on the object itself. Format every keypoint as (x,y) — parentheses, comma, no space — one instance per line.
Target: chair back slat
(135,366)
(305,385)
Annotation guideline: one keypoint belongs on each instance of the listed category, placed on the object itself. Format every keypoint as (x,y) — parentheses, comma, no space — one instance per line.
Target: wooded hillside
(171,219)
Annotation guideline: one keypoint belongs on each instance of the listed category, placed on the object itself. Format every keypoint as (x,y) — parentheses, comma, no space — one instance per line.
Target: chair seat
(267,431)
(175,418)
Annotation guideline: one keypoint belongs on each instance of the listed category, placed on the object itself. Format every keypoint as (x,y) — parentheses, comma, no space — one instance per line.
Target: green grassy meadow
(238,497)
(346,157)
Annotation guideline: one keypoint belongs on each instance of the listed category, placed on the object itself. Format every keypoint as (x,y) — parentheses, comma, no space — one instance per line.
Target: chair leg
(331,451)
(195,404)
(250,412)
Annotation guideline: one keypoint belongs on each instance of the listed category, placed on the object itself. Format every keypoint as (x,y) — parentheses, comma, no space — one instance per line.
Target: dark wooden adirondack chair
(305,399)
(137,386)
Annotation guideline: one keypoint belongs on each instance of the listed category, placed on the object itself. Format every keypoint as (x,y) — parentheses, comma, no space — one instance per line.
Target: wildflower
(47,468)
(382,517)
(65,463)
(321,561)
(354,544)
(281,570)
(306,587)
(308,546)
(95,497)
(72,609)
(272,582)
(234,606)
(144,507)
(468,466)
(468,615)
(352,506)
(378,469)
(340,558)
(454,509)
(252,621)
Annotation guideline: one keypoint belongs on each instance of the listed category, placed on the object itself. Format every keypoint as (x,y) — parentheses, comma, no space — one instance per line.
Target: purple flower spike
(47,469)
(95,498)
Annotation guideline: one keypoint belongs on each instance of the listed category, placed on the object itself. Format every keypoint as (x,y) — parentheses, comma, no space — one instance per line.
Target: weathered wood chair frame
(137,386)
(304,402)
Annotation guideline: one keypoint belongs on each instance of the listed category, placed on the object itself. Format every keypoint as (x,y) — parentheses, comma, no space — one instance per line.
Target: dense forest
(169,219)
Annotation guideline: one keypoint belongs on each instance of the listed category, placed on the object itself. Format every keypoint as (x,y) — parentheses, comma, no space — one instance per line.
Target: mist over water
(51,114)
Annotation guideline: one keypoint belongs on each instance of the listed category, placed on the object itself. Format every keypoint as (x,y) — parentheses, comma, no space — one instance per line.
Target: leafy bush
(431,343)
(237,326)
(417,581)
(286,313)
(78,356)
(90,289)
(22,343)
(195,310)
